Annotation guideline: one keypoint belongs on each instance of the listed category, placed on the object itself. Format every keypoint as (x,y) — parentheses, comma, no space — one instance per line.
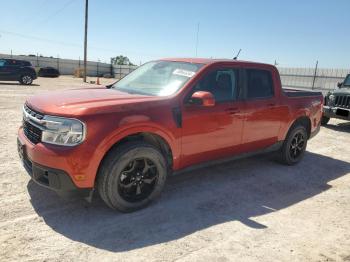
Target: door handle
(271,105)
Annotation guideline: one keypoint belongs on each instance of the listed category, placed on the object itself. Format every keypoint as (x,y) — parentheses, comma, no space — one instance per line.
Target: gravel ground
(247,210)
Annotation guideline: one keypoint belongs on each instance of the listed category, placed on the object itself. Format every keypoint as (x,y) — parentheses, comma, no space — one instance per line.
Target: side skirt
(273,148)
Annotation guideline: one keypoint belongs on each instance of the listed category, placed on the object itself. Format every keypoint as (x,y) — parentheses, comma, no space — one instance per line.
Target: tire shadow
(16,84)
(234,191)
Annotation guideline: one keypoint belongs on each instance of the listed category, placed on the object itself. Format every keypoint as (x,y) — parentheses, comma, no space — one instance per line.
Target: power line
(39,38)
(29,17)
(57,12)
(76,45)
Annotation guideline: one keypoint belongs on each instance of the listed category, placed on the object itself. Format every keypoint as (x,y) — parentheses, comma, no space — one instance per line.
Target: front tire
(26,80)
(324,120)
(132,176)
(294,146)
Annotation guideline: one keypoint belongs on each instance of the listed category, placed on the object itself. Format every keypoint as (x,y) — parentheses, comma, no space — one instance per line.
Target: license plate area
(342,112)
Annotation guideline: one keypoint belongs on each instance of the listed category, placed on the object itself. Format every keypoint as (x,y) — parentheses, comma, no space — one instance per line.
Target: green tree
(121,60)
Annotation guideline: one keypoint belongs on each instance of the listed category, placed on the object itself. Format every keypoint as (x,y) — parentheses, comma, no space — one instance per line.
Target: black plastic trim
(273,148)
(177,114)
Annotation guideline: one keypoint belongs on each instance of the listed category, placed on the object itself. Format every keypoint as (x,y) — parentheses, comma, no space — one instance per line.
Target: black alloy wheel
(132,175)
(297,145)
(137,180)
(294,146)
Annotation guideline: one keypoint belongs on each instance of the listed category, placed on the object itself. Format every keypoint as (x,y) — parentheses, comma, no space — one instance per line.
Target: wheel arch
(304,121)
(151,138)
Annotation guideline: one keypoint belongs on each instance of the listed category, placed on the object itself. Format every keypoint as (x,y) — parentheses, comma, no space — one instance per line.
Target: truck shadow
(341,127)
(235,191)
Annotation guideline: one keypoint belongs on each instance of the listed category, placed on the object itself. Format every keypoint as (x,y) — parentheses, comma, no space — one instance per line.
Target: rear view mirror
(339,84)
(202,98)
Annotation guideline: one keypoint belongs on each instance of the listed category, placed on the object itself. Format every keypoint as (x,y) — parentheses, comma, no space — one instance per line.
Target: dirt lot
(248,210)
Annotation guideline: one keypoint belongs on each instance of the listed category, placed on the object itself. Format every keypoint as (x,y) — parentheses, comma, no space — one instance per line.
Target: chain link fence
(119,71)
(65,66)
(322,79)
(312,78)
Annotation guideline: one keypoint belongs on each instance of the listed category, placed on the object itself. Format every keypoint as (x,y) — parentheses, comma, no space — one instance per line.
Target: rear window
(17,63)
(259,84)
(26,63)
(11,62)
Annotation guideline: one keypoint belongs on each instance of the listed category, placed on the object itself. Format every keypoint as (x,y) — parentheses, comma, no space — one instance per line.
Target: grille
(33,113)
(32,132)
(342,101)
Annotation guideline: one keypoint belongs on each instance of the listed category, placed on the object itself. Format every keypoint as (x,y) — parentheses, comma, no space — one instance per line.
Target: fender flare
(117,136)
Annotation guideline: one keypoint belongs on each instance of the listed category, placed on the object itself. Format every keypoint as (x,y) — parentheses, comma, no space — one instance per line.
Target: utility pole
(85,37)
(315,75)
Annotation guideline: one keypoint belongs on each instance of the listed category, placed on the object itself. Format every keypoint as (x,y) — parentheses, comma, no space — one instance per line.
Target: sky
(292,33)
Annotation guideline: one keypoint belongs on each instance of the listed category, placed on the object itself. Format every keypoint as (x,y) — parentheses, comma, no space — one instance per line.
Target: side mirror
(202,98)
(339,84)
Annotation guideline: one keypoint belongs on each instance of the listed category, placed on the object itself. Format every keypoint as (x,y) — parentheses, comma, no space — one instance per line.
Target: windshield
(347,81)
(158,78)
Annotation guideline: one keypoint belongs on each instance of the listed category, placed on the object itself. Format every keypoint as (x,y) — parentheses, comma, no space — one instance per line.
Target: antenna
(197,39)
(235,58)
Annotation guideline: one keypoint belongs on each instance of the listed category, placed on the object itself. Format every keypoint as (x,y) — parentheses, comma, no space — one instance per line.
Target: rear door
(262,110)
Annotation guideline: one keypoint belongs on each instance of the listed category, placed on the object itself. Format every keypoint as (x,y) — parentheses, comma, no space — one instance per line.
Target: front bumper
(45,174)
(336,112)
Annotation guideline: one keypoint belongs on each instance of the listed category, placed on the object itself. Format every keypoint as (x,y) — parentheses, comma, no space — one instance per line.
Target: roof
(208,61)
(12,59)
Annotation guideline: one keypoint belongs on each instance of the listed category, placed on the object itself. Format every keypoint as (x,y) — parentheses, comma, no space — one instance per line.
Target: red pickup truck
(168,115)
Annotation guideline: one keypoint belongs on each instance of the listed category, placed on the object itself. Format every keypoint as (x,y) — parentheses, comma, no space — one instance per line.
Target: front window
(221,83)
(347,81)
(158,78)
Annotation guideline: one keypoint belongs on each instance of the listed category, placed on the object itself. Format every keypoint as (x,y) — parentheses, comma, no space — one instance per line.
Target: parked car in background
(125,139)
(337,102)
(17,70)
(48,72)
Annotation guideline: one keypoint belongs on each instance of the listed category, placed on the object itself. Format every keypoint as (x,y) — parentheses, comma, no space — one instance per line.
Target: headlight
(331,98)
(62,131)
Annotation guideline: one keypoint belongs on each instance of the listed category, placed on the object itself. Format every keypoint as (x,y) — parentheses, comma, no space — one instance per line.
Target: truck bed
(300,93)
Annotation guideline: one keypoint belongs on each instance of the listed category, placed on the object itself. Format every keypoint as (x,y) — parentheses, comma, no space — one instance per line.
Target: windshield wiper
(133,91)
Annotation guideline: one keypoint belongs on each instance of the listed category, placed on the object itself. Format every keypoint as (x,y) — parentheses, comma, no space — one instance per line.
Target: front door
(2,70)
(212,132)
(9,70)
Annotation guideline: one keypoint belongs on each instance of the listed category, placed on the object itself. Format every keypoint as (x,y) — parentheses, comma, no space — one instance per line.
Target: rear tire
(324,120)
(26,80)
(131,176)
(294,146)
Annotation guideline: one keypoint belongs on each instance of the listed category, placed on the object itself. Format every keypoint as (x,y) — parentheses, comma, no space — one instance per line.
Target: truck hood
(342,91)
(84,100)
